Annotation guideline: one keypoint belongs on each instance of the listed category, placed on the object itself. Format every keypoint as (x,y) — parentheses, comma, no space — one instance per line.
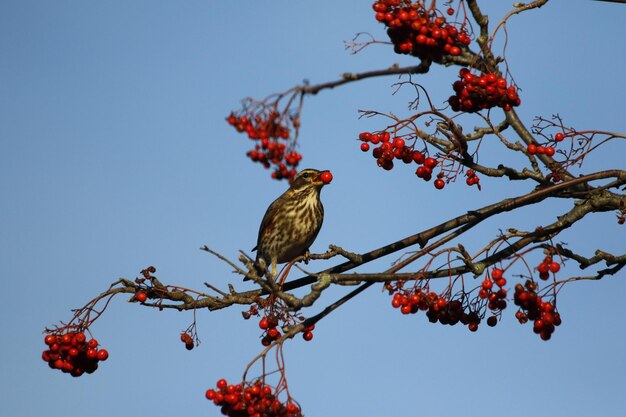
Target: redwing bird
(292,222)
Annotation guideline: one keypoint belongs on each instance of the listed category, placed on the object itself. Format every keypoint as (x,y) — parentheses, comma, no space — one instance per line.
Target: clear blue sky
(115,155)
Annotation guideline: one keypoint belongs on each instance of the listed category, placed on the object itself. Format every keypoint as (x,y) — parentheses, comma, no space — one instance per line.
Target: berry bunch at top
(484,91)
(420,31)
(254,400)
(72,353)
(271,132)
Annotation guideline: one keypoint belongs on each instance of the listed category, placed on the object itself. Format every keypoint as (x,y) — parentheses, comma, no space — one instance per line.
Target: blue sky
(115,155)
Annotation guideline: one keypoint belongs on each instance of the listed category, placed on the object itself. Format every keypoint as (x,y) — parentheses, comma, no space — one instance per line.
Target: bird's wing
(268,221)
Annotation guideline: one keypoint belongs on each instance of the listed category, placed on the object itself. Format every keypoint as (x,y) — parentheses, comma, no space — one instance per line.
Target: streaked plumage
(292,222)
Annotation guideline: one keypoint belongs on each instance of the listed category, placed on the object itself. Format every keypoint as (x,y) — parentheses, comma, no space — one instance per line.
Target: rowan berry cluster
(260,127)
(388,149)
(472,178)
(271,331)
(437,308)
(270,327)
(307,332)
(535,149)
(492,289)
(479,92)
(532,307)
(546,266)
(547,148)
(269,131)
(72,353)
(187,340)
(254,400)
(420,31)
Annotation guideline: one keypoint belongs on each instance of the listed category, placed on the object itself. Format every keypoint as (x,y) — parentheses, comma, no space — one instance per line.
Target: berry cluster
(438,308)
(420,31)
(187,340)
(535,149)
(270,327)
(532,307)
(270,131)
(546,266)
(72,353)
(388,149)
(307,332)
(255,400)
(472,178)
(492,289)
(547,148)
(479,92)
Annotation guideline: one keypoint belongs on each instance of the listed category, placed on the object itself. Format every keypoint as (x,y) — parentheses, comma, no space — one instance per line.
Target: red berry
(80,338)
(450,11)
(418,157)
(365,147)
(210,394)
(559,137)
(398,143)
(496,274)
(264,323)
(222,384)
(554,267)
(50,339)
(273,333)
(430,163)
(103,354)
(439,183)
(307,336)
(141,296)
(91,354)
(326,177)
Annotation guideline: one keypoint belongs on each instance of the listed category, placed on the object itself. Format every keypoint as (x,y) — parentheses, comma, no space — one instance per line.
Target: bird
(292,222)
